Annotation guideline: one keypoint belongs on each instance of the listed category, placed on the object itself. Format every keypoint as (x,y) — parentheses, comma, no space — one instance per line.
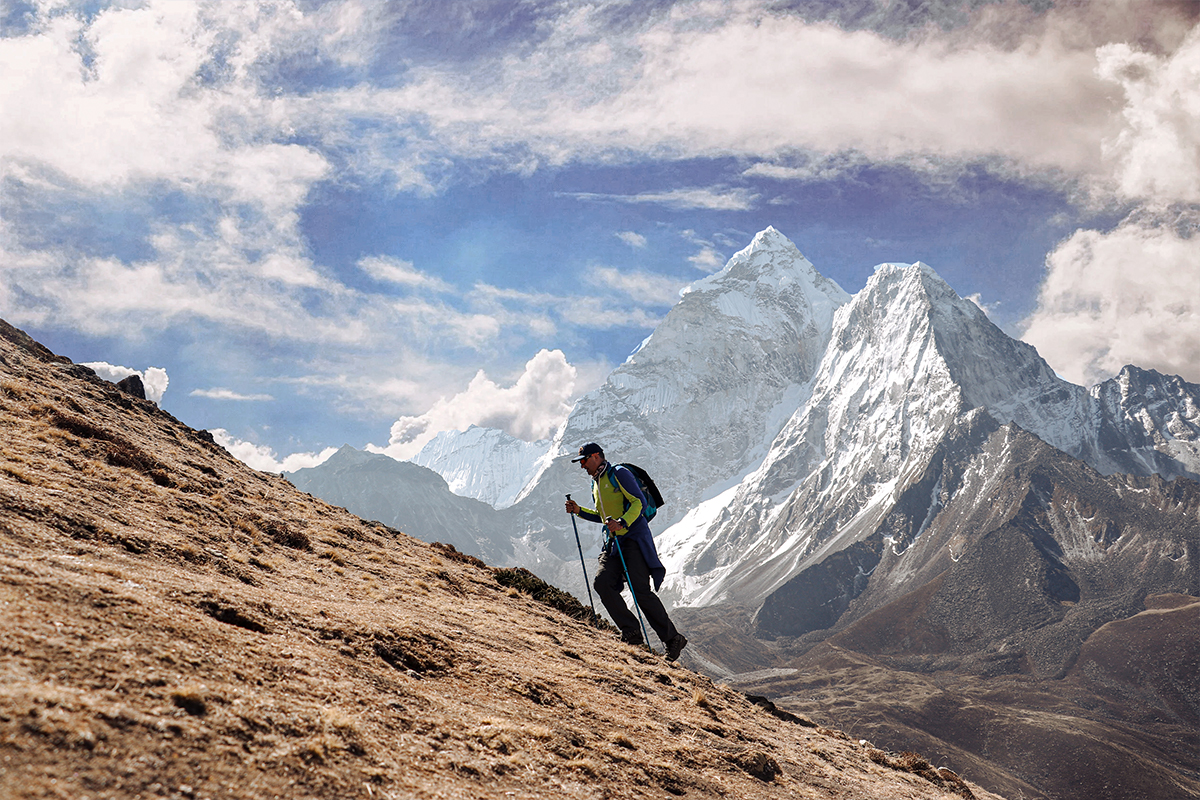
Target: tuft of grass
(700,699)
(527,583)
(18,474)
(190,699)
(333,556)
(621,740)
(584,765)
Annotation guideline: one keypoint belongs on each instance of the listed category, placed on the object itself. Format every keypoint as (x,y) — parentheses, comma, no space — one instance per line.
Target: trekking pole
(632,592)
(583,564)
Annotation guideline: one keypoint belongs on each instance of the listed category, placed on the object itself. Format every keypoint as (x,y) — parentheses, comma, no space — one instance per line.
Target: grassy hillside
(178,625)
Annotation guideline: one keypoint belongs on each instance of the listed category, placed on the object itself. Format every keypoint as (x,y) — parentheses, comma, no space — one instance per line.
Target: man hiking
(620,509)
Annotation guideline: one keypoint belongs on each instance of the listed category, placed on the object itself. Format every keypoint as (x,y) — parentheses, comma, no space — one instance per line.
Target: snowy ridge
(483,463)
(908,360)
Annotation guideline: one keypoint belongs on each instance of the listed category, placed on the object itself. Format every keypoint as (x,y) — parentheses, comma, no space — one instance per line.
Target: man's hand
(615,525)
(572,507)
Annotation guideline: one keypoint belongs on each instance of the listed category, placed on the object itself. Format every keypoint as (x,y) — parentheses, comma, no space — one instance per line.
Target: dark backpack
(654,498)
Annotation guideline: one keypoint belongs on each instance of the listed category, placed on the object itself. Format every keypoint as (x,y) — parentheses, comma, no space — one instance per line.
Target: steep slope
(1145,423)
(408,497)
(178,625)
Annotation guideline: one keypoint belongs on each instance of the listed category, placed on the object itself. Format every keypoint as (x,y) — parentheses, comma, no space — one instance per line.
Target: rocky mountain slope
(178,625)
(409,497)
(1044,626)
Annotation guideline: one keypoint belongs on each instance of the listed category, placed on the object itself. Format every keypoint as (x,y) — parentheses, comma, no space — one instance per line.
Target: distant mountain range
(888,471)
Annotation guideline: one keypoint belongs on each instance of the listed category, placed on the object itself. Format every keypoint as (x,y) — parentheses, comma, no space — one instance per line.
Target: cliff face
(178,625)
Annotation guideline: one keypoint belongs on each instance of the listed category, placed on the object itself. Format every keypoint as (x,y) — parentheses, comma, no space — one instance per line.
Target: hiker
(620,509)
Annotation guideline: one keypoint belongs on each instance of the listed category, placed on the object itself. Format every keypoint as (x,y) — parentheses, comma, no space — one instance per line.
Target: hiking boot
(636,641)
(675,646)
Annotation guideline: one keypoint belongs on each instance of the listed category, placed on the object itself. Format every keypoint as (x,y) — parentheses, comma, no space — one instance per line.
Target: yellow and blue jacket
(625,502)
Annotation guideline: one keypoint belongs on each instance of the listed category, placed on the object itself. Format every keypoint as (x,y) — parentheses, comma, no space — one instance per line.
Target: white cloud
(668,89)
(707,260)
(154,379)
(400,272)
(682,199)
(1157,152)
(263,458)
(229,394)
(632,239)
(1130,296)
(986,308)
(532,408)
(643,288)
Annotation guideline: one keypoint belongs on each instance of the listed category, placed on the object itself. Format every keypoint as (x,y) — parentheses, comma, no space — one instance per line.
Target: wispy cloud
(682,199)
(632,239)
(229,394)
(707,260)
(643,288)
(401,273)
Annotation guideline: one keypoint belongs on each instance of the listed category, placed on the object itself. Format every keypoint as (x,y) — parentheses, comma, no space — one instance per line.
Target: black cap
(587,450)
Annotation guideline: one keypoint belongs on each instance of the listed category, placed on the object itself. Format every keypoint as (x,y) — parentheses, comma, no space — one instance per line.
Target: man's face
(591,464)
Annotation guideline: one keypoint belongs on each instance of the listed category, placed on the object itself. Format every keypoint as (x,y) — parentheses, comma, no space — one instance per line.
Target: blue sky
(362,223)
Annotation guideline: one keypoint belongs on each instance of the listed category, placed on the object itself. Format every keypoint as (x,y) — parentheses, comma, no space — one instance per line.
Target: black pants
(608,583)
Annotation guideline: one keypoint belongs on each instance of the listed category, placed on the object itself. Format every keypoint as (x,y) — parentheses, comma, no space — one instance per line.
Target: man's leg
(608,582)
(652,608)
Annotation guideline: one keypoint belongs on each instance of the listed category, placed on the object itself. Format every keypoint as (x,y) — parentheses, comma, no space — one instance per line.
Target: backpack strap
(617,485)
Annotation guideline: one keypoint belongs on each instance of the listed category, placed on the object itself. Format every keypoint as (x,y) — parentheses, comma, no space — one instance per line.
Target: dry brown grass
(178,625)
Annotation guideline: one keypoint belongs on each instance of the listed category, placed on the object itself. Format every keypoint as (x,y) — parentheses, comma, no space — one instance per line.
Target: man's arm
(585,513)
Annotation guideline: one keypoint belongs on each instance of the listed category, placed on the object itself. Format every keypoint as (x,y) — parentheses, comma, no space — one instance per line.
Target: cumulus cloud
(530,409)
(264,459)
(154,379)
(1129,296)
(1157,152)
(1132,295)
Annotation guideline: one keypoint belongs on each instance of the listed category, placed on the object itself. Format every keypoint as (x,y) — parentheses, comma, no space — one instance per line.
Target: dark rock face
(816,598)
(133,385)
(1148,422)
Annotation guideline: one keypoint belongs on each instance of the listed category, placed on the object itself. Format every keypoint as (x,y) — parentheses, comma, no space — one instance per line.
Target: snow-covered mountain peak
(769,264)
(483,463)
(729,364)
